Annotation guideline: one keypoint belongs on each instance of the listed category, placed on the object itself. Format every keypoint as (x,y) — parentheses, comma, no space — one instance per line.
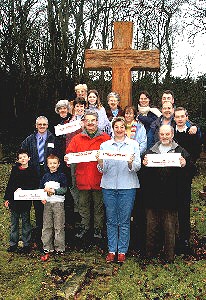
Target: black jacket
(163,187)
(26,179)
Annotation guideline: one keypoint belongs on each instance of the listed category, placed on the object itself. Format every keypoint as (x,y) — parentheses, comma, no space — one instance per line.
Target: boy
(53,233)
(22,177)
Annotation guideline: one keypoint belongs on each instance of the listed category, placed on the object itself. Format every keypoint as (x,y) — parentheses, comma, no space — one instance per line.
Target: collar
(126,141)
(38,135)
(184,129)
(155,148)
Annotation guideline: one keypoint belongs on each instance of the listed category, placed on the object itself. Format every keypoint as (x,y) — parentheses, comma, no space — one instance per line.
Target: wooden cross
(122,59)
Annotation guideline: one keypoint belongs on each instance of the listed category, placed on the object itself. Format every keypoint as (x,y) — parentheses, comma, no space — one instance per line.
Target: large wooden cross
(122,59)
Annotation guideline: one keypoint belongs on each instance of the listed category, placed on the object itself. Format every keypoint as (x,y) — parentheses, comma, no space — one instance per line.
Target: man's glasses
(42,124)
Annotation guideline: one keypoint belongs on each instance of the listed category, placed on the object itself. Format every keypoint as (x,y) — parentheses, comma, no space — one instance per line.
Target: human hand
(6,203)
(43,201)
(100,161)
(145,161)
(182,162)
(193,130)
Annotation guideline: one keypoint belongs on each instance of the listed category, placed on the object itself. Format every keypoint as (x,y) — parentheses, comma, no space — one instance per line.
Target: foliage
(26,277)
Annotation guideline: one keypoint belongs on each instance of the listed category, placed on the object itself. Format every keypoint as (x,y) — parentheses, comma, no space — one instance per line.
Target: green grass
(26,277)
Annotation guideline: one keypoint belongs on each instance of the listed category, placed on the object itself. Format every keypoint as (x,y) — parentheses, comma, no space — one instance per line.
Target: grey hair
(113,94)
(91,113)
(42,117)
(61,103)
(81,86)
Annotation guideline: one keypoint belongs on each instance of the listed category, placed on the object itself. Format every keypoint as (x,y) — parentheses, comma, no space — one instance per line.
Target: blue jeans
(26,228)
(118,204)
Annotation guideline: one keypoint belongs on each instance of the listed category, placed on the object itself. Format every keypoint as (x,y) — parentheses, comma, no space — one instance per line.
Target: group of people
(105,191)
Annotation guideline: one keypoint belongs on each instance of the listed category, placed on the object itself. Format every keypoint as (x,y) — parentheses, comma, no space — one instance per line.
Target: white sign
(114,155)
(30,194)
(86,156)
(164,160)
(67,128)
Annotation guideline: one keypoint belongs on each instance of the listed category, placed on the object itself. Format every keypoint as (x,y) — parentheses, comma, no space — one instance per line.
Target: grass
(26,277)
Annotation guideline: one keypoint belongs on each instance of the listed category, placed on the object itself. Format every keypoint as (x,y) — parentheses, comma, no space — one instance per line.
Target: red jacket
(87,175)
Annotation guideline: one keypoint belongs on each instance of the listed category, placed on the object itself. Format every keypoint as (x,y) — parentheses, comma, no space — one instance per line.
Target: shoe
(24,250)
(45,256)
(97,234)
(121,257)
(110,257)
(81,233)
(12,248)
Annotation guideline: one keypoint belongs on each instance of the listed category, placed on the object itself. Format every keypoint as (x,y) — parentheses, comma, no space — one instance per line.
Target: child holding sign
(22,177)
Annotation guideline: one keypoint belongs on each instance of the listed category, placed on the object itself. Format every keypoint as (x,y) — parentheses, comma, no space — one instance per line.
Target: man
(191,143)
(39,145)
(168,95)
(165,119)
(161,191)
(87,175)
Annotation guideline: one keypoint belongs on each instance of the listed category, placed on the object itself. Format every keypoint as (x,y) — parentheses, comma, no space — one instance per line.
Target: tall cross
(122,59)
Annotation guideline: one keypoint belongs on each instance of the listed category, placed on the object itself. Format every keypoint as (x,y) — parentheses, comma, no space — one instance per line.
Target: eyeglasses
(42,124)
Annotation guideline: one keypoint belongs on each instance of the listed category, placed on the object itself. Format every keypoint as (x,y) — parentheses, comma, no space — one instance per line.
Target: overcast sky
(189,54)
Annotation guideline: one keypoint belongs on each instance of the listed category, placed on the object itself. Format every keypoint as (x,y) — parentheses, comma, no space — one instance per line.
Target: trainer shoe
(121,257)
(110,257)
(12,248)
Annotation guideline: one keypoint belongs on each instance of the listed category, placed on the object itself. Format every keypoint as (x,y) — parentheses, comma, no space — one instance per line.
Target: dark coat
(163,187)
(26,179)
(30,145)
(110,115)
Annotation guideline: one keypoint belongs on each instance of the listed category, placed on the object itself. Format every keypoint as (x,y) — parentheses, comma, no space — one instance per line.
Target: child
(22,177)
(53,233)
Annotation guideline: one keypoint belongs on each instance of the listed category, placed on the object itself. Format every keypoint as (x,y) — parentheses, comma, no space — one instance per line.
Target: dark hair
(118,119)
(79,100)
(98,103)
(146,94)
(169,92)
(181,108)
(52,156)
(21,151)
(130,107)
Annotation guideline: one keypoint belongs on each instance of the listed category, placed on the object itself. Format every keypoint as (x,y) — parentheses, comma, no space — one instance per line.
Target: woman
(147,114)
(94,104)
(114,109)
(119,183)
(134,129)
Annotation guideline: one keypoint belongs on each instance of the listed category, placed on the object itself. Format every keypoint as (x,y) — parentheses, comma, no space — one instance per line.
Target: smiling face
(113,102)
(90,123)
(53,164)
(41,125)
(167,110)
(92,98)
(63,111)
(23,159)
(166,135)
(129,116)
(119,130)
(79,109)
(143,100)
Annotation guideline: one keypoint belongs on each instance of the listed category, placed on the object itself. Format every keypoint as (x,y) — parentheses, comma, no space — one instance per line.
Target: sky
(187,54)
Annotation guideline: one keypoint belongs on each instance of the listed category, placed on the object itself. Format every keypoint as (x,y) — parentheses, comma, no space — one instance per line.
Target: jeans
(118,204)
(26,228)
